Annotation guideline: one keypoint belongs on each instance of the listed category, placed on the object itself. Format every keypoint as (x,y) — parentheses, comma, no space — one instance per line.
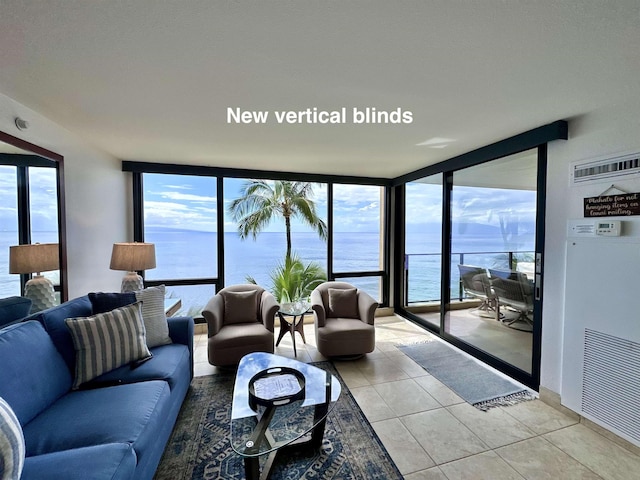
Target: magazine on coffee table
(276,386)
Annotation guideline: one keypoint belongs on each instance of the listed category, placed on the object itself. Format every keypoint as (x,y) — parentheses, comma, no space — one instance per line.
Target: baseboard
(553,399)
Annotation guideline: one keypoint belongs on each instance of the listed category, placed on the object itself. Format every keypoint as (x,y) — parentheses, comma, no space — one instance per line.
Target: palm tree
(261,201)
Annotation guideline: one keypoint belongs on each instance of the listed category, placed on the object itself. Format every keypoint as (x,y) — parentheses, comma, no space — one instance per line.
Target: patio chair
(240,320)
(514,290)
(344,318)
(476,284)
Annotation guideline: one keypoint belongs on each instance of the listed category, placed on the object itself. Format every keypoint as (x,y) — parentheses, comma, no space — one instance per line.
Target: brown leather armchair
(344,319)
(240,320)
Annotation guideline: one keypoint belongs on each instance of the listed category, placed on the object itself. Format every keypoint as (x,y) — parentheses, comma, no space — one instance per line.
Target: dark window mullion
(220,230)
(330,274)
(24,215)
(445,263)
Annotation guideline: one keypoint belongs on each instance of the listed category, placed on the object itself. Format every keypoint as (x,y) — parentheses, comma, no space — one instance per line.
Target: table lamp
(36,258)
(131,258)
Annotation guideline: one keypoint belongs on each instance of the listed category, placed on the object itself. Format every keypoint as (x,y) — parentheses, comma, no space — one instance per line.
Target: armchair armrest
(318,308)
(269,307)
(213,313)
(366,307)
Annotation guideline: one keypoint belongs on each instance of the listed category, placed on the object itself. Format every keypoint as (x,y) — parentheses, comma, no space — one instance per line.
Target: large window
(29,211)
(358,236)
(182,213)
(9,284)
(180,219)
(43,210)
(258,252)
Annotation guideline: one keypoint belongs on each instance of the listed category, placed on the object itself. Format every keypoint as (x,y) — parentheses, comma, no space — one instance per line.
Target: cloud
(187,197)
(178,215)
(356,208)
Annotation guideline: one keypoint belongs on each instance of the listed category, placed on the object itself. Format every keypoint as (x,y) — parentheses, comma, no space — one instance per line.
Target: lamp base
(131,282)
(40,290)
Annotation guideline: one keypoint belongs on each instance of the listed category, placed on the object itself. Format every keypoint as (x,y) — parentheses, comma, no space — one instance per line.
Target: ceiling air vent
(603,170)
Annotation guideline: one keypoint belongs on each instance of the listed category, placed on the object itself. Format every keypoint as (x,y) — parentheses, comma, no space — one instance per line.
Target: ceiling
(152,81)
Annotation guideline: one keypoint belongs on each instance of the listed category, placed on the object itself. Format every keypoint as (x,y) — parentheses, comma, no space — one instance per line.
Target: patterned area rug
(473,382)
(199,447)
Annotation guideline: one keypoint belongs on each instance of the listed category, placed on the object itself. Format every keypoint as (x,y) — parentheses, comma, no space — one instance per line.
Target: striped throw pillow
(106,341)
(12,448)
(153,316)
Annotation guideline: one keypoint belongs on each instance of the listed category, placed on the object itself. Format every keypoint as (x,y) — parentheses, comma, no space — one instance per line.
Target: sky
(189,203)
(42,195)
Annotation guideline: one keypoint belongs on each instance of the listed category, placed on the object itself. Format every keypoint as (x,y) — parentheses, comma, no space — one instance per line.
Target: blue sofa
(117,428)
(13,309)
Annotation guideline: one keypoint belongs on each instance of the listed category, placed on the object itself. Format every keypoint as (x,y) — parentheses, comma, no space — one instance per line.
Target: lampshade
(132,257)
(34,258)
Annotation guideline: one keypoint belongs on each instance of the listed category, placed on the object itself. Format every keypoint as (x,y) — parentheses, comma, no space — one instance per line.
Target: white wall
(97,199)
(603,133)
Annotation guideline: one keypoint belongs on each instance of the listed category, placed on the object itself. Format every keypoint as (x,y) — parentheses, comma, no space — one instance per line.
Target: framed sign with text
(623,205)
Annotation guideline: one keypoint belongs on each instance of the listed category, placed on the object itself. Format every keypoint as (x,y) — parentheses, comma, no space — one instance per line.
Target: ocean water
(184,254)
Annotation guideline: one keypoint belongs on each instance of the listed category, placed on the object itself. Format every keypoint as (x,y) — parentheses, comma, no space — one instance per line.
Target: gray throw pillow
(107,341)
(240,307)
(155,320)
(343,302)
(12,447)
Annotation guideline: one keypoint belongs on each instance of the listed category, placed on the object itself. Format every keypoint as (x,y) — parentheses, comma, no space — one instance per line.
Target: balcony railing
(422,271)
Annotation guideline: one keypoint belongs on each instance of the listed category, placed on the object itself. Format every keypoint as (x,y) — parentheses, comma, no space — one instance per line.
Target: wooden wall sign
(623,205)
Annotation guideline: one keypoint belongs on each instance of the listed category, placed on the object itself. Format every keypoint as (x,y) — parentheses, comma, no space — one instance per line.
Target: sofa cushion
(343,302)
(129,413)
(12,448)
(53,321)
(105,302)
(13,309)
(171,363)
(106,341)
(33,374)
(153,314)
(240,307)
(111,461)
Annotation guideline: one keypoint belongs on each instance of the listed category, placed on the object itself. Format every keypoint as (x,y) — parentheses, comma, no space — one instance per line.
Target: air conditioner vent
(601,170)
(611,382)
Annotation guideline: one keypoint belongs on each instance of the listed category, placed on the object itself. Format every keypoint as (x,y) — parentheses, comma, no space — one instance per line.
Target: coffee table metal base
(261,434)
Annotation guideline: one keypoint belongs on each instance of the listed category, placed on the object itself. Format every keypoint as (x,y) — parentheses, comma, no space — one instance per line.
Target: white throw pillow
(12,448)
(155,320)
(107,341)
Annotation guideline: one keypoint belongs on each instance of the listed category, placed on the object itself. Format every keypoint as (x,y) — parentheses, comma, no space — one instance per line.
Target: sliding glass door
(492,257)
(471,261)
(423,246)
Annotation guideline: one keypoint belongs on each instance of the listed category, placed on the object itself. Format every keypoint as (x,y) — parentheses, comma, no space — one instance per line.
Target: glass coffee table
(278,404)
(297,310)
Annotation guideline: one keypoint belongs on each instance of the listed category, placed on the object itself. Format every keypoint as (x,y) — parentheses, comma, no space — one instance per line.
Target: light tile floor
(432,434)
